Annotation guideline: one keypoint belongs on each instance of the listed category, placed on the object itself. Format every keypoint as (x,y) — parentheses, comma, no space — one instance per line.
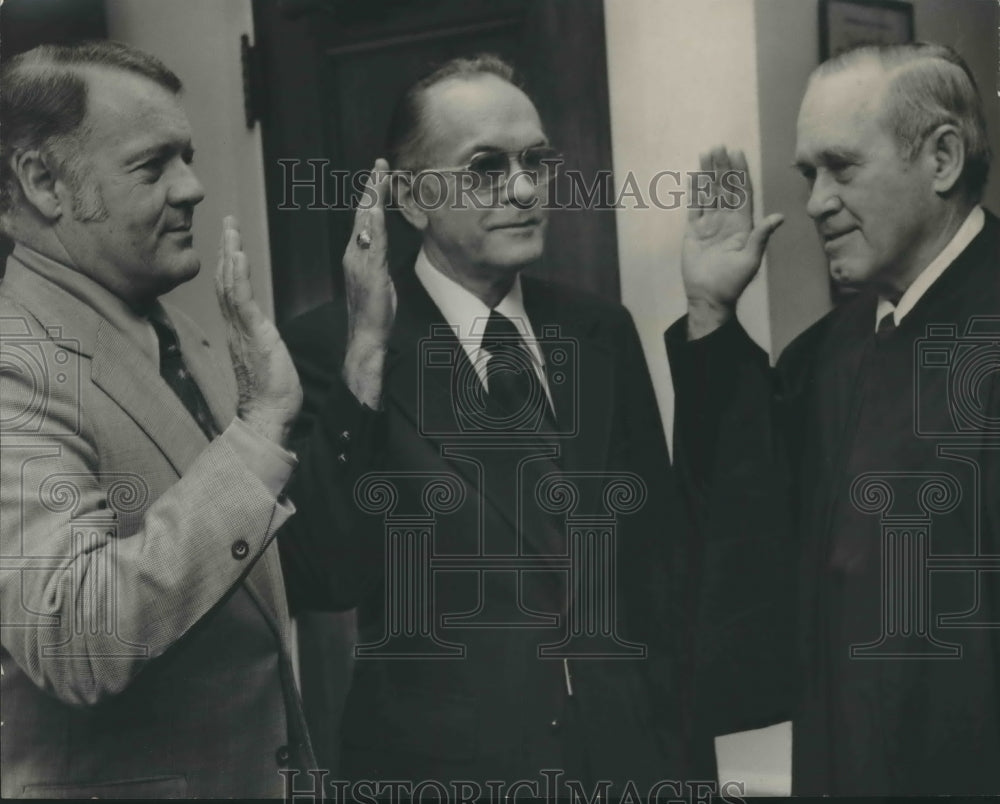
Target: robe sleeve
(732,440)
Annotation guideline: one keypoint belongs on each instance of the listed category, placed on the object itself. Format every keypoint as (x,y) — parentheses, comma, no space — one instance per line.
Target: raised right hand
(269,393)
(371,296)
(722,249)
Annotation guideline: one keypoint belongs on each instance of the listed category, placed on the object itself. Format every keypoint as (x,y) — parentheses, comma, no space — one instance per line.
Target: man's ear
(402,192)
(38,182)
(946,150)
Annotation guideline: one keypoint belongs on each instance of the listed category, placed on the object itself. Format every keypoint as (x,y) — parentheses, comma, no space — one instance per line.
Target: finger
(720,159)
(739,164)
(231,249)
(242,289)
(695,208)
(761,234)
(376,218)
(720,164)
(219,268)
(379,184)
(365,203)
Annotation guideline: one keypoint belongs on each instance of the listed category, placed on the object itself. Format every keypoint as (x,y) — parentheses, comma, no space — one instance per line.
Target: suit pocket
(415,722)
(155,787)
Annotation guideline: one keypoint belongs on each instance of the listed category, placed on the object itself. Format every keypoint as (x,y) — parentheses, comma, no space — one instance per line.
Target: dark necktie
(886,326)
(516,400)
(516,404)
(176,375)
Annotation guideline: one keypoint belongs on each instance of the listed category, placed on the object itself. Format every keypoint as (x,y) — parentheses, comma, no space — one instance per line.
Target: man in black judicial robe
(489,701)
(854,491)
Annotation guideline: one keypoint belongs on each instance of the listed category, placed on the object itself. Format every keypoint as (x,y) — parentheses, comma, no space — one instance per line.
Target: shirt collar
(467,315)
(966,233)
(105,303)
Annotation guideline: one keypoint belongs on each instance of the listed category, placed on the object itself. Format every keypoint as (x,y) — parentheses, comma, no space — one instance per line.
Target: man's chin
(519,257)
(183,270)
(847,275)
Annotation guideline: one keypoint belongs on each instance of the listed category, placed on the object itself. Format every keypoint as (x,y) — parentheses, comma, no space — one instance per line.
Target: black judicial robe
(851,497)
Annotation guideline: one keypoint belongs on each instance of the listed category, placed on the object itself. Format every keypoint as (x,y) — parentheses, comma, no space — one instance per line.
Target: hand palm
(722,249)
(715,256)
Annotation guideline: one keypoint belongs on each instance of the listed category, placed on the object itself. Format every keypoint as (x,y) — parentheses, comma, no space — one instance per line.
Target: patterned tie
(516,398)
(176,375)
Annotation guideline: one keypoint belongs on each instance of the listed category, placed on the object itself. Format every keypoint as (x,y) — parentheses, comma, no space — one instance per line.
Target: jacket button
(282,755)
(342,458)
(240,549)
(345,436)
(554,724)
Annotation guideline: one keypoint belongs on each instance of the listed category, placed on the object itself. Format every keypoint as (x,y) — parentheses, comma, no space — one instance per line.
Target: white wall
(200,41)
(682,77)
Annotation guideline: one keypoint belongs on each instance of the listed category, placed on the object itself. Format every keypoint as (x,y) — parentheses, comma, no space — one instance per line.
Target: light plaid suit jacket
(142,610)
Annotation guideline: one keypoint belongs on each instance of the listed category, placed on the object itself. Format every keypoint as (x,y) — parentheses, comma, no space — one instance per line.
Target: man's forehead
(480,111)
(123,106)
(841,106)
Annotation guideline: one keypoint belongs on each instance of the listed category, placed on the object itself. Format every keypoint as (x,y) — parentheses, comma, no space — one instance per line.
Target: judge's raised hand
(371,296)
(722,248)
(269,393)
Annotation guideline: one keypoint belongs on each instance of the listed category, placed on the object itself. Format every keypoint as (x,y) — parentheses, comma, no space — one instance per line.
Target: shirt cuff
(271,463)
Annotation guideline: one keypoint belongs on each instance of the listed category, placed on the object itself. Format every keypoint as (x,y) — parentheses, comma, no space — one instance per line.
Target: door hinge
(253,78)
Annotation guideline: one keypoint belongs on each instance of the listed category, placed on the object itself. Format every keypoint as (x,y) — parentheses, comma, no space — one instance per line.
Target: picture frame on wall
(844,24)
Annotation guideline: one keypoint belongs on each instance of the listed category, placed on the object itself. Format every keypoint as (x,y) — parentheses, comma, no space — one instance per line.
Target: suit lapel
(424,359)
(580,369)
(128,377)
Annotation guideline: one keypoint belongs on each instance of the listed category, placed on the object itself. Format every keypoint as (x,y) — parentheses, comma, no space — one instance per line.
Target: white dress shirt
(966,233)
(466,314)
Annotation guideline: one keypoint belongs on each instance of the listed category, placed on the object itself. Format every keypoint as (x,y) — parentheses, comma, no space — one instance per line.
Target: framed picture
(843,24)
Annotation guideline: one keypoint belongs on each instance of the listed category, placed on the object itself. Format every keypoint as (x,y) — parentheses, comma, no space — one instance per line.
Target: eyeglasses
(490,170)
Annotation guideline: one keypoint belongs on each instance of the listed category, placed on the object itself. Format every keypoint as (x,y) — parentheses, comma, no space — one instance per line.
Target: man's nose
(186,189)
(522,188)
(823,197)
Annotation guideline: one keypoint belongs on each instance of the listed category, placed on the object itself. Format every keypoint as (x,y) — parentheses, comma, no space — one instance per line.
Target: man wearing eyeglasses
(512,567)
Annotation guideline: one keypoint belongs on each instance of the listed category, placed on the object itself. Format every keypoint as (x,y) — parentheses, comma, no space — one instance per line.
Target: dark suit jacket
(802,476)
(497,710)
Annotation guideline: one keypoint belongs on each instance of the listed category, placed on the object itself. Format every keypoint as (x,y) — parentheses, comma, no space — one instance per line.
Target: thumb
(762,233)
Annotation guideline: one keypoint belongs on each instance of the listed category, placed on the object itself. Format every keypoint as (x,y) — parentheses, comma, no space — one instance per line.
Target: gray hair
(407,135)
(43,103)
(931,85)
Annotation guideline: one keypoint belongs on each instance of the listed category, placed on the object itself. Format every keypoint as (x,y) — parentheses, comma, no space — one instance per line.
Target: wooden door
(331,74)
